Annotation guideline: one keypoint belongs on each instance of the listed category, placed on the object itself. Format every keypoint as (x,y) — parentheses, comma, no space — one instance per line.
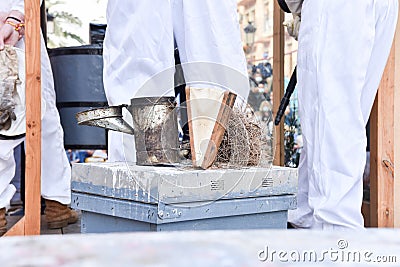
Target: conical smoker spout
(109,118)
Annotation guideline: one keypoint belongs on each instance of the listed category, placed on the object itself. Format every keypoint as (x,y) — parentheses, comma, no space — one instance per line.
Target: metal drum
(78,81)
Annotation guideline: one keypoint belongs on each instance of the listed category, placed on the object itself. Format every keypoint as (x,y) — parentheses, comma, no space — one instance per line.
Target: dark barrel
(97,32)
(78,80)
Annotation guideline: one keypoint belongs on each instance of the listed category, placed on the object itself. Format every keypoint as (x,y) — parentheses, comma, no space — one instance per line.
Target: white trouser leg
(386,18)
(122,146)
(115,153)
(335,63)
(208,31)
(7,170)
(138,59)
(302,216)
(138,45)
(56,171)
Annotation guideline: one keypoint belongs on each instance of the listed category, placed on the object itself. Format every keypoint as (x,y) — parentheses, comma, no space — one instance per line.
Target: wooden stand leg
(278,79)
(385,145)
(30,223)
(396,121)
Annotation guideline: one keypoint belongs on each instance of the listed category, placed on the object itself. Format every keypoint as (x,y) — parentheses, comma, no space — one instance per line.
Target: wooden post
(396,119)
(382,153)
(385,145)
(278,79)
(30,223)
(33,117)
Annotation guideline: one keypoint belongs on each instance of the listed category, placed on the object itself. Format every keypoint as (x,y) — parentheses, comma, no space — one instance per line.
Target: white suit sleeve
(295,5)
(18,5)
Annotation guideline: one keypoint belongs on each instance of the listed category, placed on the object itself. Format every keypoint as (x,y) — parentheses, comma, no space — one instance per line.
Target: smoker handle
(286,98)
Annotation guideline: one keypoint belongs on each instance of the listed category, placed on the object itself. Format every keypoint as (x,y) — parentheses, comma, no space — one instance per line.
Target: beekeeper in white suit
(343,49)
(139,44)
(56,173)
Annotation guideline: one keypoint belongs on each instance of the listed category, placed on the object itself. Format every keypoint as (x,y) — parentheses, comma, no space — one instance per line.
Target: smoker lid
(148,101)
(77,50)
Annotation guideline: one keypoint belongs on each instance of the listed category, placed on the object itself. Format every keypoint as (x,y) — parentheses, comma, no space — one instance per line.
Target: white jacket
(7,5)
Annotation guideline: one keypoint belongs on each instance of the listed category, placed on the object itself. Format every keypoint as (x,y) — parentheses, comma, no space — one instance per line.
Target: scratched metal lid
(150,101)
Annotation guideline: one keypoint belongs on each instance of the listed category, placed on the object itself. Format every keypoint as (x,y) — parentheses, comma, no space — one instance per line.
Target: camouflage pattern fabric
(8,80)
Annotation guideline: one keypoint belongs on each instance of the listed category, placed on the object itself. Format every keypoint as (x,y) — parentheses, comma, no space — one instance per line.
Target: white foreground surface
(213,248)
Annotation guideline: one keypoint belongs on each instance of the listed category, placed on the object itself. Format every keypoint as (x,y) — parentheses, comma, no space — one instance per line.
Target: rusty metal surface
(156,130)
(155,126)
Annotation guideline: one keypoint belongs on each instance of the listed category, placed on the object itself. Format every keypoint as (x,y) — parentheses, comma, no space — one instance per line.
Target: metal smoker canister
(156,130)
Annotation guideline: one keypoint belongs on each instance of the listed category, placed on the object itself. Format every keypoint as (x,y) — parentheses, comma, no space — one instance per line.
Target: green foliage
(64,23)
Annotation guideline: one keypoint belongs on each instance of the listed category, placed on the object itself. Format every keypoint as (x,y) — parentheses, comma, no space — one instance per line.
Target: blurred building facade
(260,14)
(259,53)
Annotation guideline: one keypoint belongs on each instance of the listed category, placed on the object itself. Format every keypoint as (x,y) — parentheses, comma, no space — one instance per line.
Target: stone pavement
(70,229)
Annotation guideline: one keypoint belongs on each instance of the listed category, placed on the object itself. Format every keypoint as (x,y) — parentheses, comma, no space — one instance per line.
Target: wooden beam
(382,150)
(278,79)
(17,229)
(33,117)
(396,118)
(30,223)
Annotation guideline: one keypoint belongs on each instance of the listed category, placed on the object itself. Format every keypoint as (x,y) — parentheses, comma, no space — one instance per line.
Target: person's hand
(9,35)
(11,28)
(293,26)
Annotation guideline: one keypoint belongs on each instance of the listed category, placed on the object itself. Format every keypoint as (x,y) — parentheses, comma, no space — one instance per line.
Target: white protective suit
(139,44)
(343,49)
(56,172)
